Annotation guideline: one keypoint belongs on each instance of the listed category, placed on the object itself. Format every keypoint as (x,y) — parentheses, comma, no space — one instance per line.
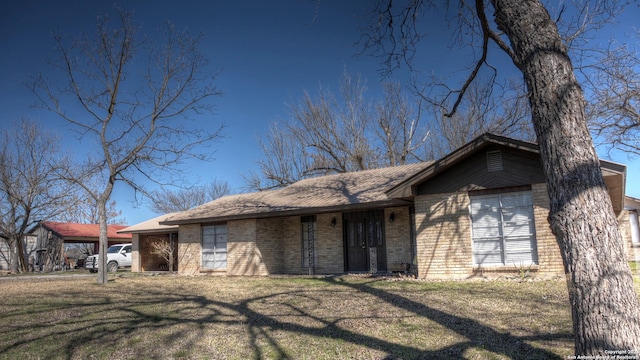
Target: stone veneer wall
(444,239)
(398,237)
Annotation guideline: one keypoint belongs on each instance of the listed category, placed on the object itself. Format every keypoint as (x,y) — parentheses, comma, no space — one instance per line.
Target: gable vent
(494,161)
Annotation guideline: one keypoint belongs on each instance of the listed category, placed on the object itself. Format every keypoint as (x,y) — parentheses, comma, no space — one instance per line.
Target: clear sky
(268,52)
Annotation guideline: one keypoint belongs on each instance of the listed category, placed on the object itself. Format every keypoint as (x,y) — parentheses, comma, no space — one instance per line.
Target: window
(503,229)
(308,237)
(214,247)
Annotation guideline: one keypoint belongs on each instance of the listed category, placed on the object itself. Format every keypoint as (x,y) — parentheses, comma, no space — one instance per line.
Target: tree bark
(605,307)
(103,239)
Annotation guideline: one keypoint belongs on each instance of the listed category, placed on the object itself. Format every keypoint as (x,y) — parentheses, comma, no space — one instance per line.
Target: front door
(364,241)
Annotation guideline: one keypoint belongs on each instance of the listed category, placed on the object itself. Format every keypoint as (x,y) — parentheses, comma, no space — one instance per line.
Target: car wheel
(93,271)
(112,266)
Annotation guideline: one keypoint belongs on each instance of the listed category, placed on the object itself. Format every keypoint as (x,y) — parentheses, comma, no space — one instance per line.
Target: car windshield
(113,249)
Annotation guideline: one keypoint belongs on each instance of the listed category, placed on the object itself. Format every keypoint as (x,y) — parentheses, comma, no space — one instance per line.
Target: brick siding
(398,237)
(189,249)
(445,245)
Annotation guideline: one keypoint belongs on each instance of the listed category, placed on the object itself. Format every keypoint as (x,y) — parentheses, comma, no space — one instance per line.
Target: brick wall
(243,256)
(189,249)
(269,242)
(443,236)
(329,247)
(444,239)
(549,257)
(291,242)
(398,237)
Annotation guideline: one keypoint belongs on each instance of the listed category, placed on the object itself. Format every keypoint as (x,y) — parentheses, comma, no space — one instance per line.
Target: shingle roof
(73,230)
(149,226)
(314,195)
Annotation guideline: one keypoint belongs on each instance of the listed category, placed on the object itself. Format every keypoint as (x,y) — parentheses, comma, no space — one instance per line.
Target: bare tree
(285,160)
(605,307)
(614,106)
(486,108)
(398,126)
(333,134)
(30,190)
(84,210)
(136,99)
(166,250)
(166,201)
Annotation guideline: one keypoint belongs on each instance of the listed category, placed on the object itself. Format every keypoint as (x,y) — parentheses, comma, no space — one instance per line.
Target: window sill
(209,271)
(506,268)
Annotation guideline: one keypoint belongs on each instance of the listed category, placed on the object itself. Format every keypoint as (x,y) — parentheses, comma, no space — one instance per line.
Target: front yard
(165,317)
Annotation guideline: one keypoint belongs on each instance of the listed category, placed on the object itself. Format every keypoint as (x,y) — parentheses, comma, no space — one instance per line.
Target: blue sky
(268,52)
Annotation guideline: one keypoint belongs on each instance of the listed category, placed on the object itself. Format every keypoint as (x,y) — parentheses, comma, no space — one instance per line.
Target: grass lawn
(169,317)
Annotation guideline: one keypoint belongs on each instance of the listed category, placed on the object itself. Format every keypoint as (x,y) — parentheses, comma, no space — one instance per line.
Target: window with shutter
(503,229)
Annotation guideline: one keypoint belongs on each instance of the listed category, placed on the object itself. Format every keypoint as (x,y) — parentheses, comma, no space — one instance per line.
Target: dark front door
(357,259)
(364,241)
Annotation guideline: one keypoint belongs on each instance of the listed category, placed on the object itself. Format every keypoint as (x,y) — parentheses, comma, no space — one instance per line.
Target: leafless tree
(581,214)
(30,189)
(84,210)
(140,101)
(166,251)
(166,201)
(485,109)
(614,106)
(333,134)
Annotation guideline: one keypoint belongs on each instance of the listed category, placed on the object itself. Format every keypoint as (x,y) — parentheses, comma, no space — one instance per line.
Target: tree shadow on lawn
(192,316)
(478,335)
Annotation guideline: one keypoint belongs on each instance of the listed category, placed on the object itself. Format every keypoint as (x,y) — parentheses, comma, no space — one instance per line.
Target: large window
(503,229)
(308,237)
(214,247)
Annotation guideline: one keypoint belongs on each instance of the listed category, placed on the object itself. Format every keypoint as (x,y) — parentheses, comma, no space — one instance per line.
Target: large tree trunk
(604,304)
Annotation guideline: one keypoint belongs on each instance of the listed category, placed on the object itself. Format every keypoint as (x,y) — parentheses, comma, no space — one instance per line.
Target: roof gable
(449,173)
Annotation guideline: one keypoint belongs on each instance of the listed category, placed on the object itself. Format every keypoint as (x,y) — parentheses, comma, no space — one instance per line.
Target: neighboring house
(632,206)
(4,252)
(53,236)
(144,236)
(30,245)
(479,211)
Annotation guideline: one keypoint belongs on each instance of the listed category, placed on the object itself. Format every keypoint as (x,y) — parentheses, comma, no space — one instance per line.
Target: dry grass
(164,317)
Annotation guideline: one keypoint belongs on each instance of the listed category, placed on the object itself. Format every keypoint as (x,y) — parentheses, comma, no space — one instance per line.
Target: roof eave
(286,213)
(150,231)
